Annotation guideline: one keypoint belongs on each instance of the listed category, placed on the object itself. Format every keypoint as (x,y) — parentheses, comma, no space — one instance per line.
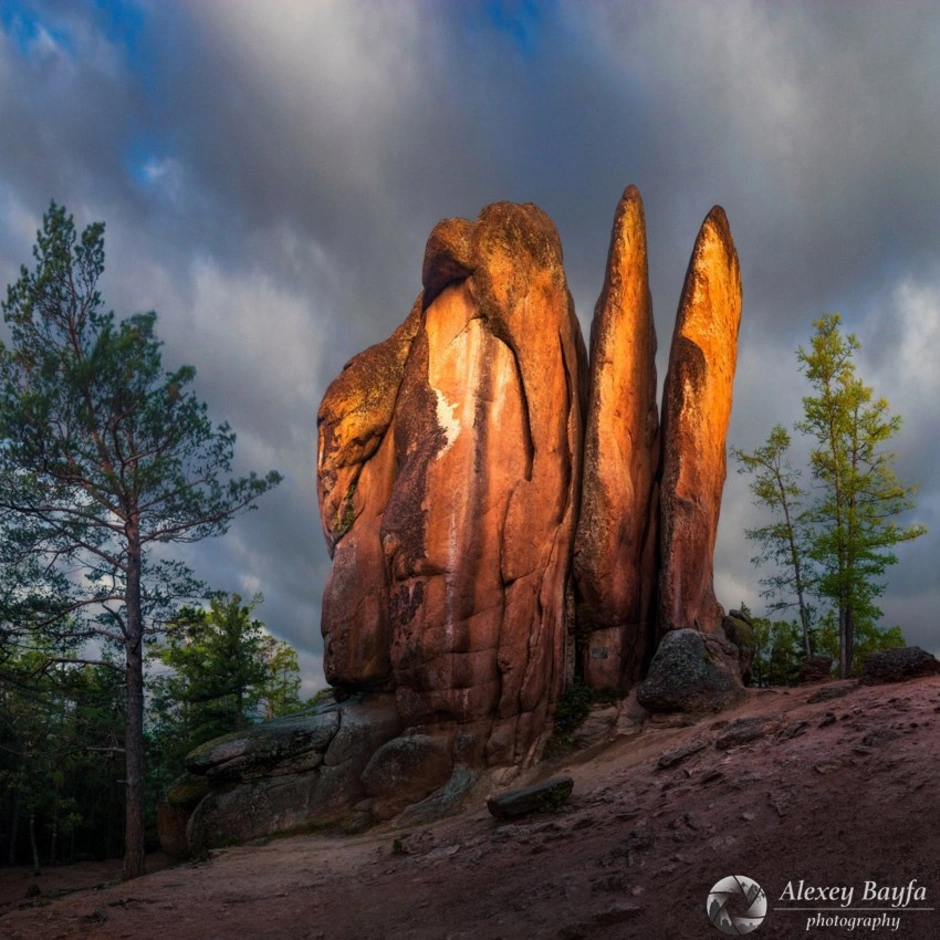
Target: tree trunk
(804,620)
(34,845)
(54,838)
(134,849)
(14,828)
(844,661)
(849,640)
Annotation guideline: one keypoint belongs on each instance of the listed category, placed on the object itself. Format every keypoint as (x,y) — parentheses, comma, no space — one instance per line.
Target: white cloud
(916,307)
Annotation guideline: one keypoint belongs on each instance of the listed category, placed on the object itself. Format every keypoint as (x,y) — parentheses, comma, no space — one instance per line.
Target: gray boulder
(898,665)
(692,672)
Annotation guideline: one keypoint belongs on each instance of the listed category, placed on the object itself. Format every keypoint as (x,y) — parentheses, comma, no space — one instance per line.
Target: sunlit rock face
(499,521)
(449,476)
(470,543)
(696,414)
(355,474)
(615,547)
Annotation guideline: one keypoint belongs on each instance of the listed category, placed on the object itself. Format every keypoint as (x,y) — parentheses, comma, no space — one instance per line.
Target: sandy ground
(837,794)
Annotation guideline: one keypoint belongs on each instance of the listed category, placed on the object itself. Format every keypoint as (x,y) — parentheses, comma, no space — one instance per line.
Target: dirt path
(835,793)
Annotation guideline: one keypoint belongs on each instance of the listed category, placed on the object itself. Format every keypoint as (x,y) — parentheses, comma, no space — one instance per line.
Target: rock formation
(452,467)
(615,547)
(696,414)
(449,472)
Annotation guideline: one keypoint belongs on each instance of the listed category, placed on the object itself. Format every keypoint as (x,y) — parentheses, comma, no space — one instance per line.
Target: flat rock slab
(832,690)
(671,758)
(745,730)
(540,797)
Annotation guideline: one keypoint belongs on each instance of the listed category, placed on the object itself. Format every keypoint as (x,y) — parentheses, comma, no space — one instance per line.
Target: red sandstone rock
(355,473)
(449,475)
(696,413)
(615,547)
(479,526)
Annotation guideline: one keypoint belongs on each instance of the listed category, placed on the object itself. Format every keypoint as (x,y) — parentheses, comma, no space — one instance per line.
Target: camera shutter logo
(737,905)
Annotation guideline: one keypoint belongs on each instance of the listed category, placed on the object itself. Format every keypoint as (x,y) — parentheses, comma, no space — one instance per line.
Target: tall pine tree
(104,455)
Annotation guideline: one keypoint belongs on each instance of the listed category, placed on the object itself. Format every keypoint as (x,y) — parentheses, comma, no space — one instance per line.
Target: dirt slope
(835,793)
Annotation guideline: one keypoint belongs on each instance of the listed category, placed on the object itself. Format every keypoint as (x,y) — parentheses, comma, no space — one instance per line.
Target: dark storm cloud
(269,174)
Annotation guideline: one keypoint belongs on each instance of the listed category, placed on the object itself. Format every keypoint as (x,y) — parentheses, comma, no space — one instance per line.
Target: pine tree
(104,456)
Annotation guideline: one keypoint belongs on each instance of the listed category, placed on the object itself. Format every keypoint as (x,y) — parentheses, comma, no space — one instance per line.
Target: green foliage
(225,673)
(573,707)
(778,652)
(835,542)
(60,768)
(868,639)
(104,456)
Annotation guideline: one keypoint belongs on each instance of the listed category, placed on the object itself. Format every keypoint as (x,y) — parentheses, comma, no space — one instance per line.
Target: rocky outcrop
(696,414)
(449,491)
(615,546)
(355,473)
(479,567)
(282,775)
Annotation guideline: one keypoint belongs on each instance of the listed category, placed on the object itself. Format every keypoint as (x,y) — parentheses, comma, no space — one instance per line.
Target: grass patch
(573,707)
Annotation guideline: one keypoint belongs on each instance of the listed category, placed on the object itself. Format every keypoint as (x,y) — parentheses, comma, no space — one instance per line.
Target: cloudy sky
(269,171)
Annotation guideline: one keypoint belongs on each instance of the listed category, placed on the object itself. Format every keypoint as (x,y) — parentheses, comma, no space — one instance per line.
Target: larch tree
(837,540)
(776,485)
(105,459)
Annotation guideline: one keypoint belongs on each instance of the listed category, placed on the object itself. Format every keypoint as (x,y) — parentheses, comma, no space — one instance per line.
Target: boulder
(540,797)
(692,672)
(898,665)
(291,744)
(407,769)
(696,413)
(174,810)
(171,829)
(815,668)
(615,546)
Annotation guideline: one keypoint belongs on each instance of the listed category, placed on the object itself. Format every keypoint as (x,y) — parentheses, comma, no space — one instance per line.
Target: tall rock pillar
(615,546)
(696,414)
